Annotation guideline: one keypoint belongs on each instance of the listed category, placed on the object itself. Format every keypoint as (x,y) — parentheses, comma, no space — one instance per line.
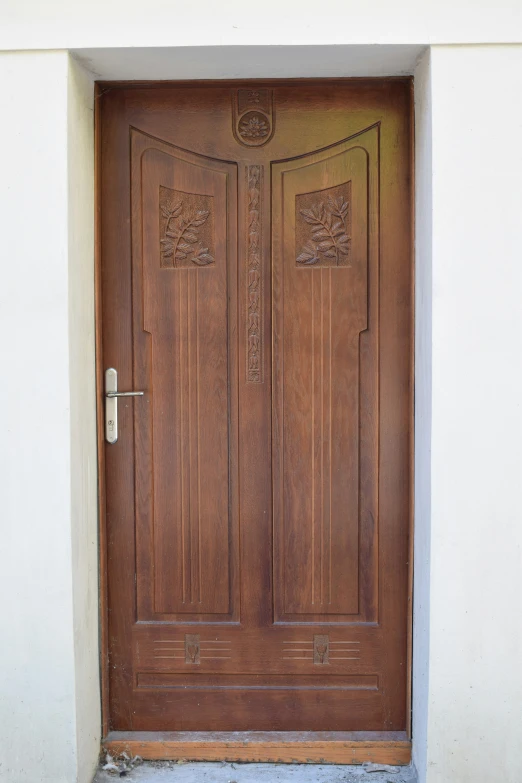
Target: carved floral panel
(186,227)
(323,227)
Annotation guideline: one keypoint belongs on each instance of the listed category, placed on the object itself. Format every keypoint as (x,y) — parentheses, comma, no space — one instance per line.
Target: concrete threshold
(217,772)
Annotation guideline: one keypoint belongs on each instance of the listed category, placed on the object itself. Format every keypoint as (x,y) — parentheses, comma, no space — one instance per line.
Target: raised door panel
(325,383)
(184,313)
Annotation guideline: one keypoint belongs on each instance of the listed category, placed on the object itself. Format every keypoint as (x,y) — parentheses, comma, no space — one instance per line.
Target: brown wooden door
(256,283)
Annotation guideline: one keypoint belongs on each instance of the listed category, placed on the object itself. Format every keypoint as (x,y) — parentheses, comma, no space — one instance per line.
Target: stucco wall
(475,647)
(83,470)
(423,394)
(468,584)
(49,692)
(62,24)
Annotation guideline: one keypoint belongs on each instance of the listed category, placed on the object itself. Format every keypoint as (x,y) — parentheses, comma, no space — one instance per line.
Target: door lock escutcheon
(111,403)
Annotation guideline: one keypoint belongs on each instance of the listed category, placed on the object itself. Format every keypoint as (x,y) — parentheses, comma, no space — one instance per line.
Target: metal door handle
(111,403)
(124,394)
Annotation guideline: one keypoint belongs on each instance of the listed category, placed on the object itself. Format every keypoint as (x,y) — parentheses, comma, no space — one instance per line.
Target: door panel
(325,383)
(186,358)
(256,284)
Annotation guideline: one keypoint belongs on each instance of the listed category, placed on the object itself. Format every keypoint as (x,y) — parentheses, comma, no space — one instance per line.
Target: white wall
(101,23)
(423,393)
(83,470)
(49,694)
(475,629)
(468,584)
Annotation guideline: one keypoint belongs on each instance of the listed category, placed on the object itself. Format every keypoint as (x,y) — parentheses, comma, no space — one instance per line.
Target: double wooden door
(256,284)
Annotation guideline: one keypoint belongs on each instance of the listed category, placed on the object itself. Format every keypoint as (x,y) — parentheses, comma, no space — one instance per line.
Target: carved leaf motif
(202,257)
(308,255)
(183,235)
(329,231)
(200,218)
(168,248)
(170,211)
(338,206)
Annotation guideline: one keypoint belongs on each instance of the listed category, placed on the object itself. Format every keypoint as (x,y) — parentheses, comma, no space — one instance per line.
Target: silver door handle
(111,403)
(124,394)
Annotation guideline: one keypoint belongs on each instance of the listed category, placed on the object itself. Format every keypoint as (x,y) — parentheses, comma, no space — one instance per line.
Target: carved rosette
(254,281)
(253,117)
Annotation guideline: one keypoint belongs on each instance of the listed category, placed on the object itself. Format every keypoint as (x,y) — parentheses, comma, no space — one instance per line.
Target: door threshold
(282,747)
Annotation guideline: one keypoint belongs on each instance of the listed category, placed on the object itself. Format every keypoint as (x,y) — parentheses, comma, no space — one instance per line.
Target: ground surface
(201,772)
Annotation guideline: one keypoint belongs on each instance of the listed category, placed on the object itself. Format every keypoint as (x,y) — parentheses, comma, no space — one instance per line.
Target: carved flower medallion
(253,117)
(253,126)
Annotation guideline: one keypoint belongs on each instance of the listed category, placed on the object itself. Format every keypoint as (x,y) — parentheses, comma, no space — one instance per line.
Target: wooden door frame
(281,747)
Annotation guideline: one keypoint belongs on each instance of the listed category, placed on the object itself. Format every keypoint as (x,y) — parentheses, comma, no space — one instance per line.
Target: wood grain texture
(269,747)
(258,503)
(325,382)
(185,356)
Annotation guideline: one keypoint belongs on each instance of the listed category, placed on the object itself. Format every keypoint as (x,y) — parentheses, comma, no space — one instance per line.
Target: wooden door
(256,283)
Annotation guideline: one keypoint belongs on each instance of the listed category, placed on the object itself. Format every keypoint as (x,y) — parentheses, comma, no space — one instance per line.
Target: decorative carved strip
(254,278)
(186,229)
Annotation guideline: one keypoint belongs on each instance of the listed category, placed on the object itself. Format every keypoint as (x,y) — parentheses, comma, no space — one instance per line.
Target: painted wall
(468,585)
(475,629)
(82,421)
(423,411)
(58,24)
(49,692)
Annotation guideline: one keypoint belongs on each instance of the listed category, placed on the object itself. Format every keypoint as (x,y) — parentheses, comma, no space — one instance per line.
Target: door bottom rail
(321,747)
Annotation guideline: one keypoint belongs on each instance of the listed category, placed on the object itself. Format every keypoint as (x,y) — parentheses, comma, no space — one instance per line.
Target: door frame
(276,747)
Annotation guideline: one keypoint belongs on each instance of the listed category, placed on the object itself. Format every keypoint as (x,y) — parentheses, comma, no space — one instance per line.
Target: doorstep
(217,772)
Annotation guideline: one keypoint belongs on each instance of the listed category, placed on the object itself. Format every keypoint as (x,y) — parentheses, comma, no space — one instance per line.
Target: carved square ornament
(186,227)
(323,227)
(321,649)
(192,648)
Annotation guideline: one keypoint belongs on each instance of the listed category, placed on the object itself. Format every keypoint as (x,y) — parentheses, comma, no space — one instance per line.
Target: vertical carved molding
(254,335)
